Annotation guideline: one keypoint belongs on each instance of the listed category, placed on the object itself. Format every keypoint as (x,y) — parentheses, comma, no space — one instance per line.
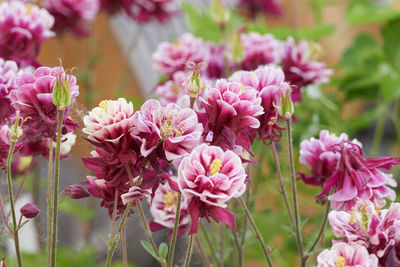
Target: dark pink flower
(208,178)
(215,61)
(259,50)
(73,15)
(359,178)
(172,57)
(114,6)
(252,7)
(29,210)
(345,255)
(23,27)
(161,10)
(231,112)
(301,69)
(75,192)
(269,81)
(163,209)
(3,262)
(8,71)
(173,129)
(33,97)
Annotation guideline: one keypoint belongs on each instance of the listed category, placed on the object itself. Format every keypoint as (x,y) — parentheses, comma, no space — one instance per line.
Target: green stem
(213,251)
(221,245)
(378,134)
(55,189)
(201,254)
(146,227)
(175,231)
(294,190)
(124,255)
(256,231)
(11,196)
(189,250)
(49,202)
(237,244)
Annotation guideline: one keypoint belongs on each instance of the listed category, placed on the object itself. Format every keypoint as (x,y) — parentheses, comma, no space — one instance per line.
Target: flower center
(104,105)
(340,262)
(170,200)
(168,129)
(215,166)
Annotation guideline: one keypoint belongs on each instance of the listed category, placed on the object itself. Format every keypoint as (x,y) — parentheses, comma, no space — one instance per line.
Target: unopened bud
(61,92)
(75,192)
(237,48)
(193,83)
(286,109)
(29,210)
(15,132)
(219,13)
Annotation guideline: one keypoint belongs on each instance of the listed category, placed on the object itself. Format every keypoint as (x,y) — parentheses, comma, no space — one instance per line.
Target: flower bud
(75,192)
(194,85)
(29,210)
(286,109)
(15,132)
(61,92)
(219,13)
(237,48)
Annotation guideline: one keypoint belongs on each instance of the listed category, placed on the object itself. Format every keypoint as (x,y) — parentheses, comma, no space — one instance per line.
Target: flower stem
(11,196)
(175,231)
(189,250)
(294,190)
(256,231)
(124,255)
(201,253)
(282,184)
(55,189)
(213,251)
(237,244)
(146,227)
(49,202)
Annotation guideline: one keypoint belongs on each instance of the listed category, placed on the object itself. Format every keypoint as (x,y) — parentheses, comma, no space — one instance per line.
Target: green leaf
(390,87)
(367,12)
(147,246)
(391,42)
(163,250)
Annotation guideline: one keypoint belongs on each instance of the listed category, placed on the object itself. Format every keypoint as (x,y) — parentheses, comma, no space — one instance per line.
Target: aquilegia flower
(171,90)
(173,129)
(368,226)
(208,178)
(356,177)
(269,81)
(162,10)
(33,97)
(345,255)
(8,71)
(172,57)
(259,50)
(301,69)
(114,6)
(215,60)
(263,6)
(23,27)
(73,15)
(163,209)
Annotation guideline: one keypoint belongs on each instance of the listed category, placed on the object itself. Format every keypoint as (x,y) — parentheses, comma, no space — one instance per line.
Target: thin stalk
(243,240)
(201,253)
(175,231)
(378,134)
(146,227)
(282,184)
(256,231)
(189,250)
(221,245)
(49,202)
(237,244)
(3,215)
(294,190)
(124,255)
(209,243)
(55,189)
(113,221)
(11,196)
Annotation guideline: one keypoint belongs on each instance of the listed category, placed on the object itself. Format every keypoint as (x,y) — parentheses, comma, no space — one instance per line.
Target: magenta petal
(193,210)
(222,215)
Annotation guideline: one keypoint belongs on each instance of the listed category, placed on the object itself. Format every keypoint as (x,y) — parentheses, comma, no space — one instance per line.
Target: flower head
(73,15)
(114,6)
(259,50)
(252,7)
(343,255)
(161,10)
(23,28)
(8,71)
(33,97)
(301,69)
(29,211)
(208,178)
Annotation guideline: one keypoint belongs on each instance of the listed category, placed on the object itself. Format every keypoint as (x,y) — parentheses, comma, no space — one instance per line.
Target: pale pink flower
(163,209)
(259,50)
(231,112)
(33,97)
(172,57)
(23,27)
(208,178)
(301,69)
(172,90)
(135,193)
(73,15)
(345,255)
(173,129)
(4,146)
(161,10)
(269,81)
(8,71)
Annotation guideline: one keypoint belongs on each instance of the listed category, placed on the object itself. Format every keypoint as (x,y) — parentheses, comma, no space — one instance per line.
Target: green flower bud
(286,109)
(61,93)
(237,48)
(219,13)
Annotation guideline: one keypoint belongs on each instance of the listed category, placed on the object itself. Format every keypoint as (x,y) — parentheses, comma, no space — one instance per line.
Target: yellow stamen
(340,262)
(29,9)
(332,134)
(170,200)
(104,105)
(215,166)
(241,88)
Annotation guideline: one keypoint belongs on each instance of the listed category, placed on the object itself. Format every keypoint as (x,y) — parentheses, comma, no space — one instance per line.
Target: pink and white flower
(23,27)
(173,129)
(172,57)
(301,69)
(8,71)
(33,97)
(259,50)
(269,81)
(231,112)
(208,178)
(162,10)
(73,15)
(343,255)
